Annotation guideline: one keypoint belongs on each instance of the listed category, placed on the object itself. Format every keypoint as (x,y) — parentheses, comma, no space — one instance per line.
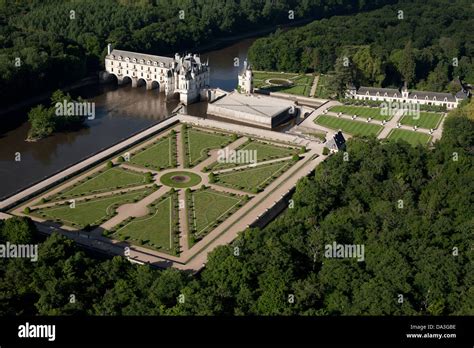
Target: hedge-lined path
(137,209)
(213,154)
(183,221)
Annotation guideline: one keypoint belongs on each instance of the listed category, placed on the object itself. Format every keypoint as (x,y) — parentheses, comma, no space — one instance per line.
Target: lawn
(301,82)
(159,155)
(209,208)
(106,180)
(255,150)
(92,212)
(361,111)
(156,230)
(198,144)
(427,120)
(348,126)
(411,137)
(322,87)
(253,179)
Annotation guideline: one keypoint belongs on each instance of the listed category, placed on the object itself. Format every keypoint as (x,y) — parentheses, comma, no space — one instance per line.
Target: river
(119,112)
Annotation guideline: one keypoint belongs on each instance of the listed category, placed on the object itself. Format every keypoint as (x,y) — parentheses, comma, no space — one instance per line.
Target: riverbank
(38,99)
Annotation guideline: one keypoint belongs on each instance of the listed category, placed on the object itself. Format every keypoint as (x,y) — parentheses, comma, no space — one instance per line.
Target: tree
(42,122)
(342,77)
(407,64)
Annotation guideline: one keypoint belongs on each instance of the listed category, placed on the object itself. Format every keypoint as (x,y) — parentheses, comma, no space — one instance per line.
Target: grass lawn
(414,138)
(92,212)
(254,149)
(210,208)
(301,82)
(427,120)
(200,142)
(348,126)
(253,179)
(109,179)
(361,111)
(159,155)
(322,87)
(156,230)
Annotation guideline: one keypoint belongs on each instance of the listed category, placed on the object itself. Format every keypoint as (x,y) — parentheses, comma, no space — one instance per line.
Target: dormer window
(426,98)
(377,94)
(434,98)
(141,61)
(161,64)
(155,64)
(148,62)
(415,97)
(134,60)
(445,99)
(113,56)
(127,59)
(119,57)
(385,94)
(367,93)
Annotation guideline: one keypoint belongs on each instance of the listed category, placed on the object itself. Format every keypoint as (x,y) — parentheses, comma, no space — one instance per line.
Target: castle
(185,75)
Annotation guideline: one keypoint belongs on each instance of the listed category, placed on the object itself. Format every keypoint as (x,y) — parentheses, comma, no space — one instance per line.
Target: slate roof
(337,142)
(431,95)
(167,61)
(374,90)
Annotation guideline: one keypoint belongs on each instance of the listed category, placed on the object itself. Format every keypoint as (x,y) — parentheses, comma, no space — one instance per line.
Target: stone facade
(246,79)
(405,96)
(183,75)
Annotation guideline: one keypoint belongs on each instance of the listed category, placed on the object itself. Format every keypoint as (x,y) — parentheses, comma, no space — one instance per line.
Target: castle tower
(246,79)
(405,91)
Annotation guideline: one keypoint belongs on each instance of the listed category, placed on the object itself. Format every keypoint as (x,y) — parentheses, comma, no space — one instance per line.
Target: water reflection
(120,112)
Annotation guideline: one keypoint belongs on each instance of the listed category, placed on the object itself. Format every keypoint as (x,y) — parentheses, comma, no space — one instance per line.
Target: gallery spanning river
(120,112)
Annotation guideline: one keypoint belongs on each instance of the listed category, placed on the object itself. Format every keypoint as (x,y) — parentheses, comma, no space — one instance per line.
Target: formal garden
(158,155)
(89,212)
(353,127)
(160,181)
(411,137)
(159,229)
(374,113)
(208,208)
(291,83)
(427,120)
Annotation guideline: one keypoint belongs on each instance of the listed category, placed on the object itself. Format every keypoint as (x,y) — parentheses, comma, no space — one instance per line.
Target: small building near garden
(336,142)
(404,95)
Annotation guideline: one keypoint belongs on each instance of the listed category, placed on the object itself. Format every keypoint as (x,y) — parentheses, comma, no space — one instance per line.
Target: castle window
(134,60)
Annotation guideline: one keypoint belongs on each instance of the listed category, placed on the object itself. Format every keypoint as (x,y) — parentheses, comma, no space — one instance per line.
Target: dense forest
(421,250)
(426,43)
(45,44)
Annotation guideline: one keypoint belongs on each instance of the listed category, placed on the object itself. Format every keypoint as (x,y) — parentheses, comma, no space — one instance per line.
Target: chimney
(109,49)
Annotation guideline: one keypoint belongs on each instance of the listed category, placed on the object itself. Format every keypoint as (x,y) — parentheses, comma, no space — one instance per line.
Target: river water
(119,112)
